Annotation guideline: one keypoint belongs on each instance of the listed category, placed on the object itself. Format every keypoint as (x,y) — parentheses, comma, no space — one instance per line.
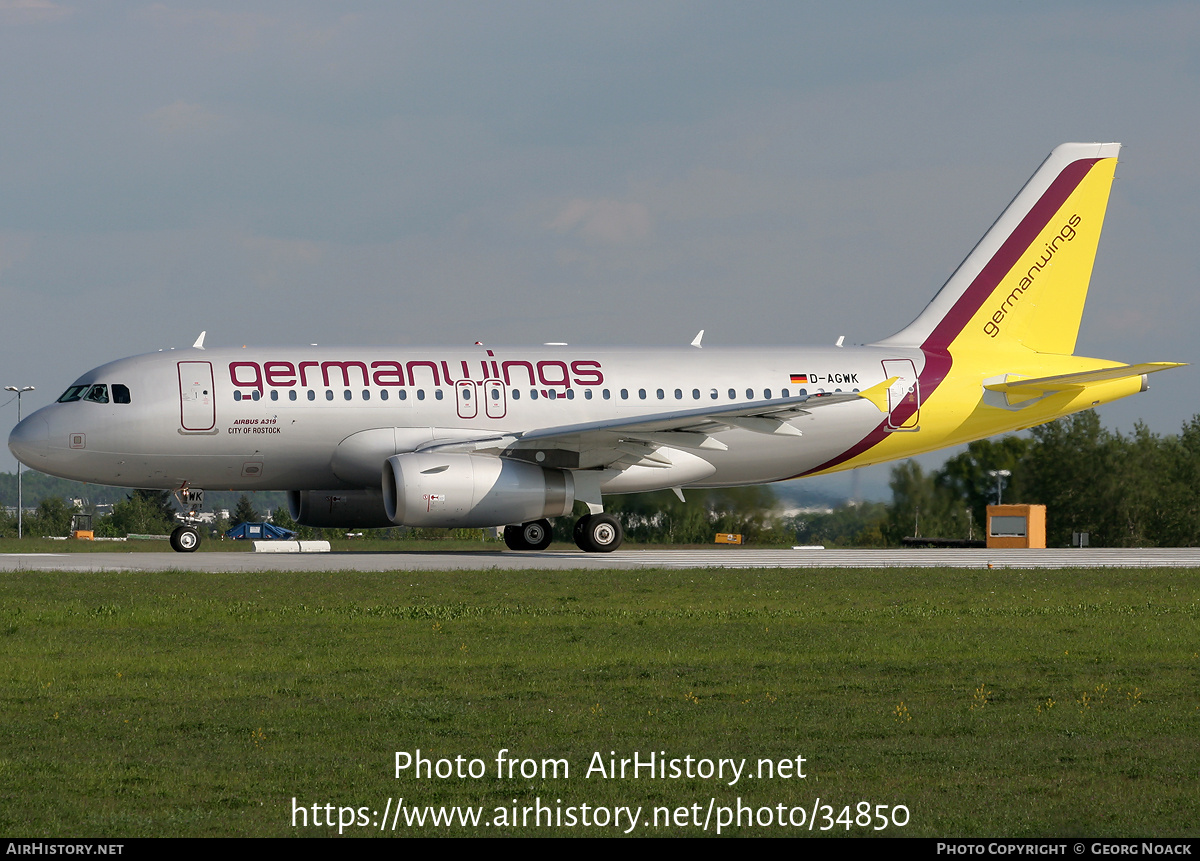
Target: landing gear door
(197,406)
(904,396)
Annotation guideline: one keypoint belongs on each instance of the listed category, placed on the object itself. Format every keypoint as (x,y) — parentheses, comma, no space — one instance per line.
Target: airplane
(478,436)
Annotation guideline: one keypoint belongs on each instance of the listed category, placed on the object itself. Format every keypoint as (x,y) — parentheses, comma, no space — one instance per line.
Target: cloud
(13,248)
(232,32)
(605,221)
(184,118)
(32,11)
(275,262)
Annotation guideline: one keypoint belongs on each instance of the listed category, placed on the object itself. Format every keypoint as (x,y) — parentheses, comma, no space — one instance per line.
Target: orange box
(728,538)
(1016,526)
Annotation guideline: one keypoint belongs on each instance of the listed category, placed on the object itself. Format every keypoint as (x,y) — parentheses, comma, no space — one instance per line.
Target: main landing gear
(534,535)
(594,533)
(598,533)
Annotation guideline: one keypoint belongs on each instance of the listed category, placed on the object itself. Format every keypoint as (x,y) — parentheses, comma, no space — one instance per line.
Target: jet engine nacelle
(468,490)
(339,509)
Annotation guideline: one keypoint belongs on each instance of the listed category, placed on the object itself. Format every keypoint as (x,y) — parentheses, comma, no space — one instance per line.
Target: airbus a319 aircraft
(477,436)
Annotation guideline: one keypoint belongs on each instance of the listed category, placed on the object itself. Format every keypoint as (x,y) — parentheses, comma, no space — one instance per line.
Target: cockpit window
(72,394)
(97,394)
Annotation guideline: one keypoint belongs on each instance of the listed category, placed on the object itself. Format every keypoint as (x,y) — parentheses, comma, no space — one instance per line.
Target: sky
(597,173)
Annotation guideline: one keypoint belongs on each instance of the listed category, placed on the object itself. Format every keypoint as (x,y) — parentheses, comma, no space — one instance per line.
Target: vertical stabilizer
(1025,283)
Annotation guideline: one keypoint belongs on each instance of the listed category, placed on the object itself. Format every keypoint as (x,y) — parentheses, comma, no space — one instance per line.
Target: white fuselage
(277,419)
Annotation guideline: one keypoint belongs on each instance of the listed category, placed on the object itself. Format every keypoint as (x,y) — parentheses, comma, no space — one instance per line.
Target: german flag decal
(799,378)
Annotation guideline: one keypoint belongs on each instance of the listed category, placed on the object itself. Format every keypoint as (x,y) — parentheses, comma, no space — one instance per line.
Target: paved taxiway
(623,559)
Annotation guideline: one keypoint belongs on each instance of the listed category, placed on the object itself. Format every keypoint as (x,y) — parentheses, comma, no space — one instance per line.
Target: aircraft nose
(29,440)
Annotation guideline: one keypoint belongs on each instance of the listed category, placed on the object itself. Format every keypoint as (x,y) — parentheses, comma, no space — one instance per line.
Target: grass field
(985,702)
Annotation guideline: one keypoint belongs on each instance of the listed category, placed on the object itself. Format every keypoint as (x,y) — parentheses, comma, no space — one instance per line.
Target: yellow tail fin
(1026,281)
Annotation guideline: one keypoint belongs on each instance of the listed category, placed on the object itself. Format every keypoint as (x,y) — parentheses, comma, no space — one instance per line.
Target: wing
(627,441)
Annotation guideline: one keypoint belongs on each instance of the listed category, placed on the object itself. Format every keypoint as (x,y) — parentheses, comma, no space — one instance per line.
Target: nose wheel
(598,533)
(185,539)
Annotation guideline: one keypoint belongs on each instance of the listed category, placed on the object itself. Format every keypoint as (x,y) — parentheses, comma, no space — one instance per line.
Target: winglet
(878,393)
(696,340)
(199,345)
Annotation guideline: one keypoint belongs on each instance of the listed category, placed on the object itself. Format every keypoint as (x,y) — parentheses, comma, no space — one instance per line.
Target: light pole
(999,475)
(20,499)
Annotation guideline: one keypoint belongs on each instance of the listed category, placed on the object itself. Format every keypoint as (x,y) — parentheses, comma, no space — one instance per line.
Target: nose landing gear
(185,539)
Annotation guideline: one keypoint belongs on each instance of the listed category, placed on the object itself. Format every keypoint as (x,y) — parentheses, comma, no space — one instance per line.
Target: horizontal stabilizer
(1079,380)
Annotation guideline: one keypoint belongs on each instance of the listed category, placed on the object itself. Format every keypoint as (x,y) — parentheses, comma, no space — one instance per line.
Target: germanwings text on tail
(477,436)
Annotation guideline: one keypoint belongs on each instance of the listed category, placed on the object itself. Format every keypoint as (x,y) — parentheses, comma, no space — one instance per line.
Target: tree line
(1125,490)
(141,512)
